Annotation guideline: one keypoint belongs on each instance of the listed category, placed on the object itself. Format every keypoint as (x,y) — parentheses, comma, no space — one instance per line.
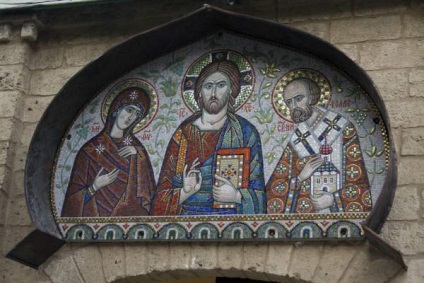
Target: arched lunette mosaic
(235,136)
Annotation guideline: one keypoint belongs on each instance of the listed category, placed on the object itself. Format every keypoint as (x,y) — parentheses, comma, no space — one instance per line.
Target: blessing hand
(226,192)
(191,184)
(192,181)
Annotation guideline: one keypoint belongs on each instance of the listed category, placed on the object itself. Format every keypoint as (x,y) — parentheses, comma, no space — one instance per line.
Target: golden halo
(119,87)
(246,71)
(277,95)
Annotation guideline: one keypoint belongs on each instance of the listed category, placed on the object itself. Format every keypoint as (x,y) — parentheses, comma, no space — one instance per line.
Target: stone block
(113,256)
(11,54)
(392,84)
(158,259)
(278,260)
(375,7)
(19,155)
(320,29)
(408,173)
(46,58)
(180,254)
(11,104)
(35,107)
(406,204)
(4,152)
(304,10)
(5,33)
(370,266)
(18,214)
(95,34)
(14,77)
(407,236)
(12,272)
(63,269)
(414,23)
(422,202)
(136,256)
(413,141)
(416,83)
(304,261)
(29,31)
(392,54)
(6,126)
(13,235)
(89,262)
(3,207)
(27,133)
(5,176)
(406,113)
(334,261)
(83,54)
(49,82)
(350,50)
(226,258)
(203,256)
(363,29)
(397,139)
(254,257)
(19,158)
(414,274)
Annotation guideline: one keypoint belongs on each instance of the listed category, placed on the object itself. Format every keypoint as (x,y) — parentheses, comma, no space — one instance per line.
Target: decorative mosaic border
(324,229)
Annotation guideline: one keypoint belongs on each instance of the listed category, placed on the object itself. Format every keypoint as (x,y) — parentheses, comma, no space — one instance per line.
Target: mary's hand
(127,151)
(106,179)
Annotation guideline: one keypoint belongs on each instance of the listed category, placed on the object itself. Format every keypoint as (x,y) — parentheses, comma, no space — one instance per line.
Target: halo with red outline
(277,95)
(246,71)
(119,87)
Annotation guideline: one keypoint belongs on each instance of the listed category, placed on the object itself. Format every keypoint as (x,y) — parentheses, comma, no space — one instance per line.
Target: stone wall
(386,38)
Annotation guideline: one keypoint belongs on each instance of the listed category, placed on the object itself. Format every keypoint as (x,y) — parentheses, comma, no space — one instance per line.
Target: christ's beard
(300,115)
(214,105)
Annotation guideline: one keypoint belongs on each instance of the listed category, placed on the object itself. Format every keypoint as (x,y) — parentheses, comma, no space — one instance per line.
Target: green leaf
(373,150)
(273,128)
(351,110)
(372,130)
(270,75)
(379,153)
(380,171)
(370,171)
(68,168)
(161,143)
(369,153)
(157,125)
(267,85)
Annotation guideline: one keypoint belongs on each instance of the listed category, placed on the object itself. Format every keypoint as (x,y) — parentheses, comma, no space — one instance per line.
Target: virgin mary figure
(112,174)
